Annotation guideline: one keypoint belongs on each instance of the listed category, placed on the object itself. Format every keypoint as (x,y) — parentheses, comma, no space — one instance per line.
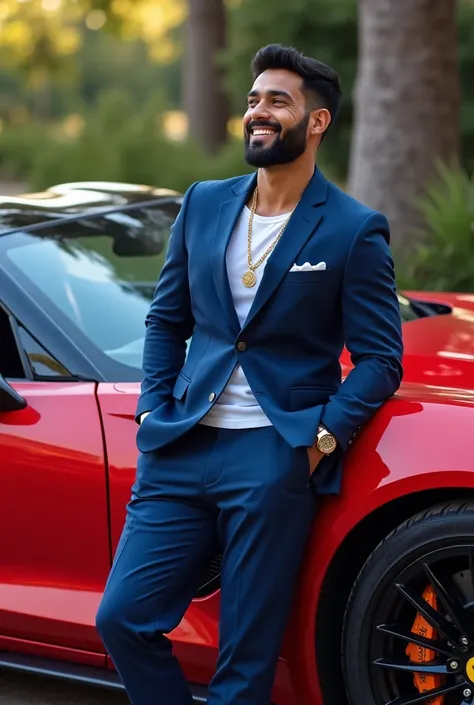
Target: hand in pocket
(314,456)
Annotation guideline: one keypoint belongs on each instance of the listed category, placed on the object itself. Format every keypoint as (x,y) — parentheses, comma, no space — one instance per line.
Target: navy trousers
(244,492)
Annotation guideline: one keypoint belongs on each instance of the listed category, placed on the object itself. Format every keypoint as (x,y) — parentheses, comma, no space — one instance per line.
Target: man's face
(276,121)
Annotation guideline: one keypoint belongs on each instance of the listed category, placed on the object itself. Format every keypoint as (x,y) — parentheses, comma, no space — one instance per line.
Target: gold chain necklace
(250,279)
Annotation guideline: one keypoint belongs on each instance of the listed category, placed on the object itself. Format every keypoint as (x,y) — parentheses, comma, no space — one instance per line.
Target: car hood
(439,350)
(438,357)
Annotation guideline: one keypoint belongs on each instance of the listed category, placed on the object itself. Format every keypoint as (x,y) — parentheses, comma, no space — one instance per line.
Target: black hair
(321,84)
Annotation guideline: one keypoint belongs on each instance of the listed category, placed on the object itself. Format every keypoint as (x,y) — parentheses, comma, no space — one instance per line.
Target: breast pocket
(323,276)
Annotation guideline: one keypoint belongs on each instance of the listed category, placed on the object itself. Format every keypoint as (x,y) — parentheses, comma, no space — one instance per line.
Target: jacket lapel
(301,226)
(229,213)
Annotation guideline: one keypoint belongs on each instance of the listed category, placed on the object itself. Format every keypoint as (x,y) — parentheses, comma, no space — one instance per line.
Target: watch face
(327,443)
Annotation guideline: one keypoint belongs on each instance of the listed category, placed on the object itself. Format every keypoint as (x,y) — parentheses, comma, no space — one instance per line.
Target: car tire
(438,544)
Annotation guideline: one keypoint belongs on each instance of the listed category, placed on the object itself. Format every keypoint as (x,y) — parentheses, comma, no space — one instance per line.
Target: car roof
(79,198)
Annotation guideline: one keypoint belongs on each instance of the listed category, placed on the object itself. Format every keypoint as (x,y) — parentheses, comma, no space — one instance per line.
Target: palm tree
(407,102)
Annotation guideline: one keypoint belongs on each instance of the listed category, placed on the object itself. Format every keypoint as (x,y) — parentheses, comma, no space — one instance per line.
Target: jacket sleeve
(372,332)
(169,322)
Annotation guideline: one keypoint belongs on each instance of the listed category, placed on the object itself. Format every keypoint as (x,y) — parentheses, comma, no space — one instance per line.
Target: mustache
(261,123)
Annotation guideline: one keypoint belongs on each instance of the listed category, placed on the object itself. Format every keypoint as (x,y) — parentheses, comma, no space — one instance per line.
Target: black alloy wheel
(408,636)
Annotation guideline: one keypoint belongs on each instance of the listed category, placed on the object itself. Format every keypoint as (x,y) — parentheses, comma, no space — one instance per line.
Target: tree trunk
(407,102)
(205,101)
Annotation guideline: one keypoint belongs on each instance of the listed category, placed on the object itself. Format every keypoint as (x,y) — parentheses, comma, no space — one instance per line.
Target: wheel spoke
(425,697)
(435,667)
(434,618)
(413,638)
(452,606)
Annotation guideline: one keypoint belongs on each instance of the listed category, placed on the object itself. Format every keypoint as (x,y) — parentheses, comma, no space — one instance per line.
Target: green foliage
(19,147)
(118,144)
(127,145)
(445,259)
(103,62)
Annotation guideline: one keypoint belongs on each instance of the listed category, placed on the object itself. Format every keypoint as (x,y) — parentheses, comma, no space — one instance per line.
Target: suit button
(241,346)
(212,396)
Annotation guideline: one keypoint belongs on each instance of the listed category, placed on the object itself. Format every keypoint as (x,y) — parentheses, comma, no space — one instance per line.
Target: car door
(54,540)
(195,639)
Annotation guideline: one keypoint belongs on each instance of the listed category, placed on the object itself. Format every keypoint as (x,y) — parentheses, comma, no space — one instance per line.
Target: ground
(21,689)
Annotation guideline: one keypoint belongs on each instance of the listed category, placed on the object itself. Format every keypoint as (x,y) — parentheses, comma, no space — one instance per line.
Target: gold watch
(325,441)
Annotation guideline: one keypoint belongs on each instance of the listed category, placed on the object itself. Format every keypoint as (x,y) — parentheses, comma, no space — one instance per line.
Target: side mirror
(10,400)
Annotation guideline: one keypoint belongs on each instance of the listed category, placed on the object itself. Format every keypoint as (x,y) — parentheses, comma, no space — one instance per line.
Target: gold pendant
(249,279)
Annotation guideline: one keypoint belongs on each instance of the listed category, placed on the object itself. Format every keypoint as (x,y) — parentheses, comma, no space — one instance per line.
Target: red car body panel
(52,581)
(52,652)
(56,554)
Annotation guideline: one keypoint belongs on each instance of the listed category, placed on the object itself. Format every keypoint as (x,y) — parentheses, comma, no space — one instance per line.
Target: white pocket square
(307,267)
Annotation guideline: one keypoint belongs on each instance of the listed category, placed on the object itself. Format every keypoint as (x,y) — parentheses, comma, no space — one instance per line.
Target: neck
(280,187)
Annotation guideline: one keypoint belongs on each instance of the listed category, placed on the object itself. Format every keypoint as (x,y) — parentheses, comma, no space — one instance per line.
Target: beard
(282,150)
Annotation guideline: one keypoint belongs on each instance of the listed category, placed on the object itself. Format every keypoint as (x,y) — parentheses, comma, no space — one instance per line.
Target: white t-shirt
(237,406)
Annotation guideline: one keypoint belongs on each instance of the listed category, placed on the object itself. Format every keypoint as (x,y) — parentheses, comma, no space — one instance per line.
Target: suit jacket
(296,328)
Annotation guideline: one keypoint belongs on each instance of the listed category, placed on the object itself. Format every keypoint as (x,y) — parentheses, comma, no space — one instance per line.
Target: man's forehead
(276,80)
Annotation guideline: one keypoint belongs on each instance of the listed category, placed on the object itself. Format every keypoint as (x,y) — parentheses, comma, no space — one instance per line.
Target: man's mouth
(261,131)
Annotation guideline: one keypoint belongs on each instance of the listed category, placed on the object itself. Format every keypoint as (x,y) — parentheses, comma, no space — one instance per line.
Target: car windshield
(101,272)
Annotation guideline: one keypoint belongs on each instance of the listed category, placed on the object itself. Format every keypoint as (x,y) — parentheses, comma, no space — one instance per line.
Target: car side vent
(211,579)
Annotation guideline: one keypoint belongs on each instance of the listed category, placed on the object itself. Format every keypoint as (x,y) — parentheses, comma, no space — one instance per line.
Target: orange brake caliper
(425,682)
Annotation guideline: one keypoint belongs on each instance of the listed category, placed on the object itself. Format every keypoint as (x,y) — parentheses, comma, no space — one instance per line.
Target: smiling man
(271,274)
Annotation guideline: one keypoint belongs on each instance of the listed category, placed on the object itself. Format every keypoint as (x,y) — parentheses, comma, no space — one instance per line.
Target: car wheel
(408,634)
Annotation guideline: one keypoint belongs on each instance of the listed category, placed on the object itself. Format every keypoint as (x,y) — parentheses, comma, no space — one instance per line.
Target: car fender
(408,447)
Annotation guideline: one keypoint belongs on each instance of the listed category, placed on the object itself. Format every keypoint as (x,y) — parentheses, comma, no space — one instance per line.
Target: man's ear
(319,121)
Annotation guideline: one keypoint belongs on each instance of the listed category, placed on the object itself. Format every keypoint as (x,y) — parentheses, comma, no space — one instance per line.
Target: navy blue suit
(289,349)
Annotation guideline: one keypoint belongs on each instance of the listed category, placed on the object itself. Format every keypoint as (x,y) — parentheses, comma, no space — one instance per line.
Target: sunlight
(51,5)
(95,19)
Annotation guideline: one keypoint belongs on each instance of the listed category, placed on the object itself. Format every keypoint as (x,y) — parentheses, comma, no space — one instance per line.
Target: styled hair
(321,84)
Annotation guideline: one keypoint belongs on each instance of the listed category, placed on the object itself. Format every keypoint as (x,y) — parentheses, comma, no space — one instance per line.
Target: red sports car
(384,612)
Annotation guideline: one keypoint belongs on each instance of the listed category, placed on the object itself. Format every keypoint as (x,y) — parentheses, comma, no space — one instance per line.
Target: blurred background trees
(153,91)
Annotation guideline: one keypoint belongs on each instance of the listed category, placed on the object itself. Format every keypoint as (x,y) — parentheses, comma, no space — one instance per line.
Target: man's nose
(260,111)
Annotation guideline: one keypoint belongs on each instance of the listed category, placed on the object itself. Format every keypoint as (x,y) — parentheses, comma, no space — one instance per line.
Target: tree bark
(407,102)
(205,101)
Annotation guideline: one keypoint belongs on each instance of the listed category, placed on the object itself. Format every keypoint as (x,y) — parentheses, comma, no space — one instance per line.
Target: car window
(42,363)
(21,356)
(11,364)
(101,273)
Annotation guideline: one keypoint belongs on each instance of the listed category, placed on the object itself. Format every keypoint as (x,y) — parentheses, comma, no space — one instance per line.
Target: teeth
(262,132)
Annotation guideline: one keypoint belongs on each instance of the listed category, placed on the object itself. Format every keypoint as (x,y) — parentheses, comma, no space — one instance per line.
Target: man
(270,274)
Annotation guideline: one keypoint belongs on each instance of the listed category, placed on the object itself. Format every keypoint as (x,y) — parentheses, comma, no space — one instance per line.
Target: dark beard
(283,150)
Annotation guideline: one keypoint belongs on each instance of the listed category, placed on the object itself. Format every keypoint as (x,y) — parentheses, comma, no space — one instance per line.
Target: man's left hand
(314,456)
